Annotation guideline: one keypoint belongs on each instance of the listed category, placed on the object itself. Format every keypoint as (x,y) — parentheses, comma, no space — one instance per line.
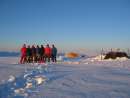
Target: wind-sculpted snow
(88,79)
(25,84)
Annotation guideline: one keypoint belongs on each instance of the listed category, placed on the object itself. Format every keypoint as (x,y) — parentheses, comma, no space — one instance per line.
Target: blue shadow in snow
(7,89)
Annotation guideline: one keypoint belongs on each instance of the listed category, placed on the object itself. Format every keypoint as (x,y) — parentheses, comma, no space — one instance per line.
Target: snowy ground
(87,78)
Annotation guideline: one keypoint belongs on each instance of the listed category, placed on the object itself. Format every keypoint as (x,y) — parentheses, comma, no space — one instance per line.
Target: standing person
(47,53)
(54,53)
(37,54)
(42,51)
(33,49)
(23,54)
(29,54)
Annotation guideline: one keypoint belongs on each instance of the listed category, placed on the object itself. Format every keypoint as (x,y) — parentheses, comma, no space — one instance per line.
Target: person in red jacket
(23,54)
(47,53)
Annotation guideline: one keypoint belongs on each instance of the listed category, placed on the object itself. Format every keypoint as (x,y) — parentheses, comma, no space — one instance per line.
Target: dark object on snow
(83,56)
(114,55)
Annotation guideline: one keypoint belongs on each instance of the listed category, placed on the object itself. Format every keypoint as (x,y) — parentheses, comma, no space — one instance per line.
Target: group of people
(38,54)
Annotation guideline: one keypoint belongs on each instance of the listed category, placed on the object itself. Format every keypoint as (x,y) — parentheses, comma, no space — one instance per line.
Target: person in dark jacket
(29,54)
(42,54)
(37,54)
(54,53)
(33,49)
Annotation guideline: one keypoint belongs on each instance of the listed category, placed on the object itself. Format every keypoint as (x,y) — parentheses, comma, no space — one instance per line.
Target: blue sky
(70,24)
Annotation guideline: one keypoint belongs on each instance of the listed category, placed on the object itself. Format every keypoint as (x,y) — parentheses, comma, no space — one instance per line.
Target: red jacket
(48,51)
(23,51)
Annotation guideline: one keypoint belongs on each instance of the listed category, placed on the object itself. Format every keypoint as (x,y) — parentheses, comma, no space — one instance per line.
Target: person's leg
(24,59)
(55,60)
(41,58)
(21,60)
(45,58)
(27,59)
(37,59)
(33,59)
(48,58)
(52,58)
(30,59)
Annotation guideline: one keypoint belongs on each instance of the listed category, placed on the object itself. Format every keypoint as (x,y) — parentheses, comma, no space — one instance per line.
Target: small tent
(72,55)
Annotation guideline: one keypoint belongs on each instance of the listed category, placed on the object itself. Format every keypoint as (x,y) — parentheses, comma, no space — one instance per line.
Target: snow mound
(60,58)
(25,84)
(102,58)
(99,57)
(11,78)
(122,58)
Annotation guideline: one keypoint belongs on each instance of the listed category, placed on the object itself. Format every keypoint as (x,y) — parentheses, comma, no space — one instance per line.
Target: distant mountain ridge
(8,54)
(14,54)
